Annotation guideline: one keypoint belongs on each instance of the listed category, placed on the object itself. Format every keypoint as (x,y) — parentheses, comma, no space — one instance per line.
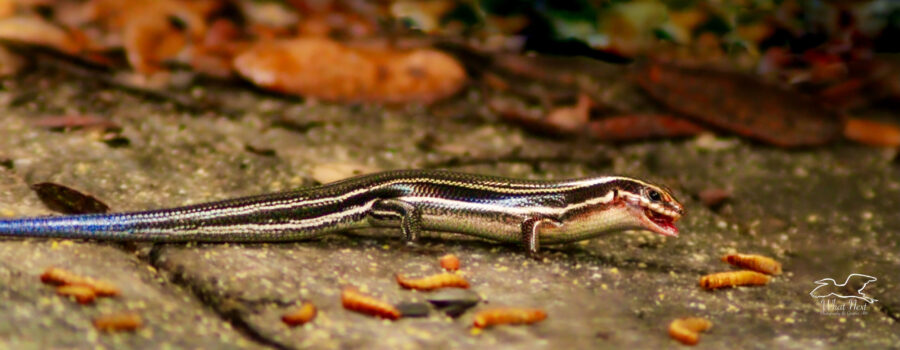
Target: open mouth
(660,223)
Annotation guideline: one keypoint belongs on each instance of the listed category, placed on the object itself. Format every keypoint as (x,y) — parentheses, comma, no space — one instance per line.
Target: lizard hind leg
(409,215)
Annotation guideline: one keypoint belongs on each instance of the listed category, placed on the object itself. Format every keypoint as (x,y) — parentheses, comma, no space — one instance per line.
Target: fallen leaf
(325,69)
(642,126)
(36,31)
(714,197)
(872,133)
(571,118)
(741,104)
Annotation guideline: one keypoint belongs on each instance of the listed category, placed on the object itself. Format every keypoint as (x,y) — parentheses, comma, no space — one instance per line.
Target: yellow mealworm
(733,278)
(450,262)
(508,315)
(686,330)
(356,301)
(757,263)
(59,276)
(82,294)
(441,280)
(301,315)
(118,322)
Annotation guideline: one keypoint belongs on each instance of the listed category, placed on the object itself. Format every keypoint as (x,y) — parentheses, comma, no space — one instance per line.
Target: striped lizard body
(532,212)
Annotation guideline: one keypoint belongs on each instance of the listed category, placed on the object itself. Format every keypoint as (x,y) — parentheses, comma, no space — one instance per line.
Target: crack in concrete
(887,311)
(232,315)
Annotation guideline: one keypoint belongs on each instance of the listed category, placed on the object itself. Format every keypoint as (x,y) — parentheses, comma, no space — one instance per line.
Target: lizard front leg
(410,216)
(531,232)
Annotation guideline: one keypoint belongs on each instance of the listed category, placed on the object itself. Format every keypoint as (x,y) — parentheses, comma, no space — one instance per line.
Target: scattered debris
(733,279)
(442,280)
(713,198)
(449,262)
(82,294)
(66,200)
(687,330)
(756,263)
(356,301)
(58,276)
(126,321)
(414,309)
(453,296)
(265,152)
(508,315)
(71,121)
(454,301)
(303,314)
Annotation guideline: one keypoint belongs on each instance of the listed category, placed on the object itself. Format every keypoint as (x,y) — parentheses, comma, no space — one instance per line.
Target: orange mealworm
(301,315)
(82,294)
(508,315)
(118,322)
(59,276)
(441,280)
(757,263)
(733,278)
(686,330)
(356,301)
(450,262)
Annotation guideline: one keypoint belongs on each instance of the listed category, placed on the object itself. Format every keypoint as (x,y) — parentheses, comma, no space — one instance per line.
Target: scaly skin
(533,212)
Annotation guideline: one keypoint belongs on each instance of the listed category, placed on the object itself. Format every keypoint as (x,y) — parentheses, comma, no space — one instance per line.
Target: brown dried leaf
(325,69)
(642,126)
(66,200)
(872,133)
(741,104)
(714,197)
(571,118)
(36,31)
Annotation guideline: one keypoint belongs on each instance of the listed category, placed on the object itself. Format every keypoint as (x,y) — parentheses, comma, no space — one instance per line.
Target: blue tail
(100,226)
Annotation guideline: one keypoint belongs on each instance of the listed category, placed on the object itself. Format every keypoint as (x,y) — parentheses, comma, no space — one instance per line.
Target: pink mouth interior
(665,222)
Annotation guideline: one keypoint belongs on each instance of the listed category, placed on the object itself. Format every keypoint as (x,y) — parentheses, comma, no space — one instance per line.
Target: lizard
(533,212)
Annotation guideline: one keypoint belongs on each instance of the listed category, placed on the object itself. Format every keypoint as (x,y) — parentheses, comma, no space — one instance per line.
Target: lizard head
(654,206)
(620,203)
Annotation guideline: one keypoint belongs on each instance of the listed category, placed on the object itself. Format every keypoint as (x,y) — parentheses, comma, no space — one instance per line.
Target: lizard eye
(654,195)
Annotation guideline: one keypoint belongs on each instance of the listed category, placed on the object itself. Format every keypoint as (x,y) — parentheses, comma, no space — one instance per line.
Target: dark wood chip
(265,152)
(453,296)
(66,200)
(412,309)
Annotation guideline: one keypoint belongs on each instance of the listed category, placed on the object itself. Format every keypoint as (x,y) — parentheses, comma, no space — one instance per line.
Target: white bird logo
(829,287)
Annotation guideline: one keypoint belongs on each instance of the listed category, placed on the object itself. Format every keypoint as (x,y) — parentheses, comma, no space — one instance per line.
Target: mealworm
(687,330)
(126,321)
(450,262)
(356,301)
(733,278)
(59,276)
(301,315)
(441,280)
(754,262)
(82,294)
(508,315)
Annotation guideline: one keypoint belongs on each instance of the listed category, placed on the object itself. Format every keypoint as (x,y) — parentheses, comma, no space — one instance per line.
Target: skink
(500,209)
